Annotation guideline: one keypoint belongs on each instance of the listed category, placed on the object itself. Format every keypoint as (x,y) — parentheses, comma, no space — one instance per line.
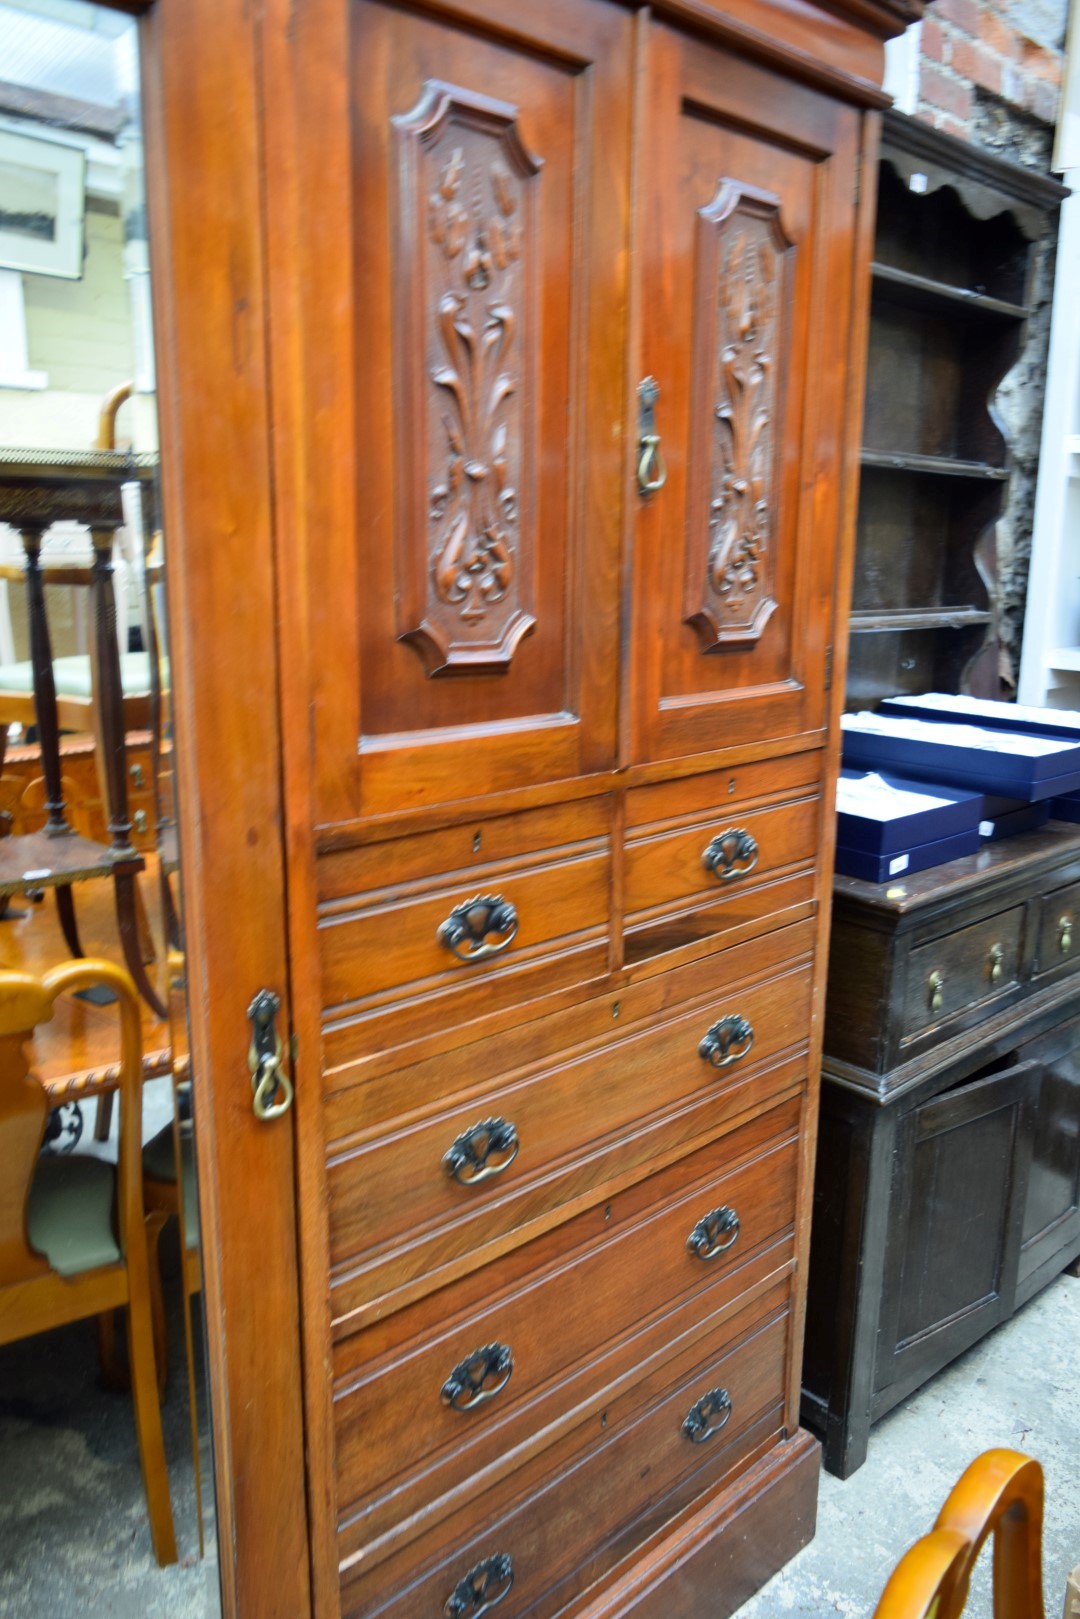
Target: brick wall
(973,51)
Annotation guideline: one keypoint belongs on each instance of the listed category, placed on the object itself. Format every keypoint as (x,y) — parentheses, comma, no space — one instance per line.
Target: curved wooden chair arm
(110,405)
(1001,1493)
(930,1580)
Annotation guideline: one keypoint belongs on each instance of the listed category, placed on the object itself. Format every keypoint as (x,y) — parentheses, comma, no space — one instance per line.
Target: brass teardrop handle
(995,958)
(469,1159)
(707,1416)
(467,931)
(732,853)
(651,471)
(726,1041)
(481,1589)
(479,1377)
(936,985)
(1065,933)
(714,1233)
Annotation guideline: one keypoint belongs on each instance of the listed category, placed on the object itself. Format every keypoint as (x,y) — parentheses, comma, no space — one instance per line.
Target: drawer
(695,871)
(1059,930)
(406,1200)
(962,970)
(568,1518)
(697,1235)
(436,927)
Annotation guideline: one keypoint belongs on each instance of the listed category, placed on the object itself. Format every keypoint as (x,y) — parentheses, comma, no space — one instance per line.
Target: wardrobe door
(467,197)
(744,241)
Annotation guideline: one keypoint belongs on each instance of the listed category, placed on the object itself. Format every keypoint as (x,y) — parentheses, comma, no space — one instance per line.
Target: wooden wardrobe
(565,315)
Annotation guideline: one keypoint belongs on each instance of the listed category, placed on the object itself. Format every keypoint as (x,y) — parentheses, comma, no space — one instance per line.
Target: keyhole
(616,1008)
(476,842)
(731,785)
(603,1419)
(607,1211)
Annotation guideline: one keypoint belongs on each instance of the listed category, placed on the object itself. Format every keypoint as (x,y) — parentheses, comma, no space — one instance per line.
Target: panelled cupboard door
(463,557)
(743,237)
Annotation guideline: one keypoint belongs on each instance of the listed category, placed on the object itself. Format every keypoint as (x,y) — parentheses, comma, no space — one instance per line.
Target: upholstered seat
(73,679)
(69,1215)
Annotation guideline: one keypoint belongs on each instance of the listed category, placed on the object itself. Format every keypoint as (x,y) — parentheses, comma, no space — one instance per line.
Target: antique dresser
(567,386)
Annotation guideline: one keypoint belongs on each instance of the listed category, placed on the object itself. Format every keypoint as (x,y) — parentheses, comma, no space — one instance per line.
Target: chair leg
(112,1374)
(155,1225)
(127,920)
(65,907)
(144,1394)
(191,1285)
(103,1116)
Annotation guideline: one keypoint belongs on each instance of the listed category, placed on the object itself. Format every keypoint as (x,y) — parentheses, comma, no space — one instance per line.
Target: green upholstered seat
(72,675)
(70,1213)
(159,1164)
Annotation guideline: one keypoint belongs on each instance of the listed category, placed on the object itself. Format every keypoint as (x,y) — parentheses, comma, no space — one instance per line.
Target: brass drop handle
(1065,932)
(481,1589)
(936,985)
(732,853)
(467,931)
(707,1416)
(469,1158)
(995,959)
(271,1087)
(479,1377)
(726,1041)
(714,1233)
(651,471)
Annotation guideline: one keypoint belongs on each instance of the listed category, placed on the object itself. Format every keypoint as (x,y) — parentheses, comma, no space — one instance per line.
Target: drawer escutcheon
(714,1233)
(465,1388)
(707,1416)
(481,1589)
(466,931)
(467,1159)
(732,853)
(726,1041)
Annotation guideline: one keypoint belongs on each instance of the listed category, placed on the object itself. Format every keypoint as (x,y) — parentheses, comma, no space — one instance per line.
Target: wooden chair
(1000,1494)
(72,1234)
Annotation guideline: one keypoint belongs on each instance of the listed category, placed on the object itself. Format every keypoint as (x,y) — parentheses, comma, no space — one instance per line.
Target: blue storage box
(1003,762)
(884,814)
(883,868)
(1005,817)
(1066,809)
(936,705)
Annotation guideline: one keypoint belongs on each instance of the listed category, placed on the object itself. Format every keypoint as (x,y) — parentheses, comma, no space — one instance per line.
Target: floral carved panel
(465,218)
(742,275)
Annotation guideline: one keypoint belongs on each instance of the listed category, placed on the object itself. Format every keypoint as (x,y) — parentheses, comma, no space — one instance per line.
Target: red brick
(980,66)
(996,33)
(949,126)
(964,13)
(932,42)
(1036,61)
(951,95)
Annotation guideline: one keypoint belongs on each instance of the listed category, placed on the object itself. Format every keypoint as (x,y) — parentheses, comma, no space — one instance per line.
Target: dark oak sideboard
(948,1171)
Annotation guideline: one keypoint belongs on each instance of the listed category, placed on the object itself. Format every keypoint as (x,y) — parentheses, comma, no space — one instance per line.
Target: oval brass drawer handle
(466,1387)
(714,1233)
(465,931)
(936,985)
(726,1041)
(708,1416)
(468,1159)
(481,1589)
(995,959)
(732,853)
(1065,933)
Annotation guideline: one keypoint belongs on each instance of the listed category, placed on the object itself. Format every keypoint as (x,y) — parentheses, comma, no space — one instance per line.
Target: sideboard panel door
(745,315)
(1051,1228)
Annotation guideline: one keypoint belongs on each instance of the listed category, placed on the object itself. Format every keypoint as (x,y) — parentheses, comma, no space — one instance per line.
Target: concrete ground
(1019,1388)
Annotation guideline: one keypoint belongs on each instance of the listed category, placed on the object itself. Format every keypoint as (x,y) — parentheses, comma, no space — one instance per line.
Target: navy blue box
(961,710)
(1066,809)
(1005,817)
(883,868)
(885,814)
(1012,765)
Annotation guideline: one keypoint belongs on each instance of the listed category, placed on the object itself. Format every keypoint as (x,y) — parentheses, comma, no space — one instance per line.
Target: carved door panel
(745,251)
(466,189)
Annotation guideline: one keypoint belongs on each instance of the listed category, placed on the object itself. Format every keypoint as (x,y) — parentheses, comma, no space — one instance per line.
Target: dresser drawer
(569,1517)
(952,975)
(1059,930)
(432,928)
(696,870)
(439,1395)
(407,1200)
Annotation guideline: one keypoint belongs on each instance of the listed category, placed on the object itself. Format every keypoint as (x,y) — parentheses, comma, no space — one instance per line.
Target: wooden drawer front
(706,872)
(959,971)
(397,1212)
(417,937)
(569,1516)
(1059,931)
(596,1305)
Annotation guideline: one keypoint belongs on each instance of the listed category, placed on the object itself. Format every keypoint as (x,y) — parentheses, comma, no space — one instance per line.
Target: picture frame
(42,206)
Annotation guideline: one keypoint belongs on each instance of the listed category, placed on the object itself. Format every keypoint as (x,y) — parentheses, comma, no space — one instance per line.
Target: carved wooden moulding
(741,297)
(466,359)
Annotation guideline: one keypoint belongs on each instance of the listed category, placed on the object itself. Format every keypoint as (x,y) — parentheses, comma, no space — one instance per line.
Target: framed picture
(42,198)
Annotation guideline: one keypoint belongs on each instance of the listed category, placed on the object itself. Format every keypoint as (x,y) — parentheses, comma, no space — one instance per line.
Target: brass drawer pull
(936,985)
(714,1233)
(465,931)
(1065,932)
(727,1041)
(465,1388)
(732,853)
(708,1416)
(651,471)
(467,1160)
(995,958)
(482,1588)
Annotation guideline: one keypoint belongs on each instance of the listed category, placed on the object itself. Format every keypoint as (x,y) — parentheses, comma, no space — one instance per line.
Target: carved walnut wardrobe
(562,312)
